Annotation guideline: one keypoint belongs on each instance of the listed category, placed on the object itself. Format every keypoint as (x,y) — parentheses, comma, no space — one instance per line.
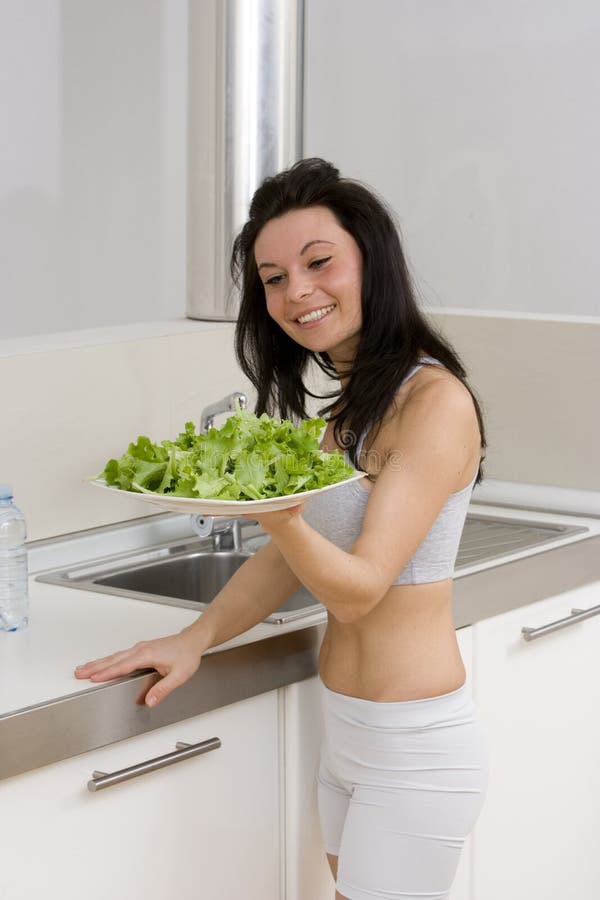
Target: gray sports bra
(338,515)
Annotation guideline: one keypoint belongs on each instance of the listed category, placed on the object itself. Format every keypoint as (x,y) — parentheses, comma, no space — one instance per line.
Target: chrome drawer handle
(101,780)
(576,615)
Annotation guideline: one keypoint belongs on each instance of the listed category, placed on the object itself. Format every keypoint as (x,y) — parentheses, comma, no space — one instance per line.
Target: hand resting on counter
(255,590)
(176,657)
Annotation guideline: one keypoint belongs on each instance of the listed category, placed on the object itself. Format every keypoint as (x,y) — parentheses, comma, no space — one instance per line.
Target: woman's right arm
(255,590)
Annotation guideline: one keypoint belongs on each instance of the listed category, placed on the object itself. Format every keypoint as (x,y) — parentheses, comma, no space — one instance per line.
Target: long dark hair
(393,331)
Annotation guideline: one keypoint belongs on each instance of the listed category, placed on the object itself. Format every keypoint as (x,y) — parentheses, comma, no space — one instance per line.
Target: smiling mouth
(315,315)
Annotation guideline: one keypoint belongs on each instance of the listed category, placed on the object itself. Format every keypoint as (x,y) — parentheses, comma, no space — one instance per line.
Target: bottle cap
(6,492)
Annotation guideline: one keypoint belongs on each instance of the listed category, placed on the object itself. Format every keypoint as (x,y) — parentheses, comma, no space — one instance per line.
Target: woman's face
(311,269)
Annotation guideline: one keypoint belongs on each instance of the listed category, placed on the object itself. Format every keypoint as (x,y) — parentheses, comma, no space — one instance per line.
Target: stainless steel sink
(197,576)
(191,574)
(181,574)
(487,539)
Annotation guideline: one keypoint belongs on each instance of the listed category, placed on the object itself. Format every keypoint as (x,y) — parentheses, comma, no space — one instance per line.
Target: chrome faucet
(225,532)
(227,404)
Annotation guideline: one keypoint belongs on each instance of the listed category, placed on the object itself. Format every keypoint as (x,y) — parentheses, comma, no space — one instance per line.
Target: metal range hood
(245,122)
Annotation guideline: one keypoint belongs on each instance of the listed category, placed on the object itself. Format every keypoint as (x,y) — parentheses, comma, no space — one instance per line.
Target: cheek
(272,305)
(351,289)
(275,309)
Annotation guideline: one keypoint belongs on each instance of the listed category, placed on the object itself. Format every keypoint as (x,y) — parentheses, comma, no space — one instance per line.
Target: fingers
(163,688)
(175,658)
(86,669)
(107,667)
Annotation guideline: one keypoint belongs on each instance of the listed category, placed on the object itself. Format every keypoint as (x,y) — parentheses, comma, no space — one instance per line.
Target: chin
(317,345)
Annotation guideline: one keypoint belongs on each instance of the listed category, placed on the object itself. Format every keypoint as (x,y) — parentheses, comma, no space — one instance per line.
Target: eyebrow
(270,265)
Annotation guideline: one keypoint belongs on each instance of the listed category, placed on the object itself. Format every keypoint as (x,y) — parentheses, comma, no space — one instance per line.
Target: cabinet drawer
(205,826)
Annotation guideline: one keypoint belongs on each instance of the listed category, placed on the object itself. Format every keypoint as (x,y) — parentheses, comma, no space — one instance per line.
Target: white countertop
(68,627)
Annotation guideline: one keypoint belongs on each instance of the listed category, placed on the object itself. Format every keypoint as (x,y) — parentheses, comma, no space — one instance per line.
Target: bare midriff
(406,647)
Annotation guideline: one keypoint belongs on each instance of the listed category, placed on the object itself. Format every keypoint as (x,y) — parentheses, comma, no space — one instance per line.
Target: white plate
(194,506)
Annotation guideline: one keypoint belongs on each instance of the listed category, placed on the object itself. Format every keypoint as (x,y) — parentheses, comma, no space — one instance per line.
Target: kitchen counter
(68,627)
(46,714)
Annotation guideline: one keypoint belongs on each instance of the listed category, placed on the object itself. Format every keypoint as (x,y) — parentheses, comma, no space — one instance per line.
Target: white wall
(478,122)
(92,163)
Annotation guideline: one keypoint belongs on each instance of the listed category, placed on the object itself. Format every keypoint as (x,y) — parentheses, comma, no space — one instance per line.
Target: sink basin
(188,575)
(197,577)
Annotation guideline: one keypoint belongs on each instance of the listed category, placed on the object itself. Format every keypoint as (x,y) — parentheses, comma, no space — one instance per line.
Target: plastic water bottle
(14,601)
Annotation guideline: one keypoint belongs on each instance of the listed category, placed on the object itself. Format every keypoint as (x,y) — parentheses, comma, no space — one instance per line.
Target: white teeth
(316,314)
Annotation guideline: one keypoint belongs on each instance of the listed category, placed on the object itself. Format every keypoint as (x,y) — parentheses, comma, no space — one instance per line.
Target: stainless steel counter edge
(68,726)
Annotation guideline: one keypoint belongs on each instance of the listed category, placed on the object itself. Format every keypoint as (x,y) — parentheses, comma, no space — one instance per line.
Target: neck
(342,359)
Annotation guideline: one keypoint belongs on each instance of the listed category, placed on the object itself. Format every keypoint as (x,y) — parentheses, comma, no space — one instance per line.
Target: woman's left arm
(432,441)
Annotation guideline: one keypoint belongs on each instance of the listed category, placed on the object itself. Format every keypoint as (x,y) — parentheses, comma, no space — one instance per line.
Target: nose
(299,288)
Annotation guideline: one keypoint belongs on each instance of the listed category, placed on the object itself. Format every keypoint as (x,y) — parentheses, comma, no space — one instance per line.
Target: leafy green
(249,458)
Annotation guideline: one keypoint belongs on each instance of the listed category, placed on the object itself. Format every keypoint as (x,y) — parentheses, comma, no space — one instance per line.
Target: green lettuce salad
(249,458)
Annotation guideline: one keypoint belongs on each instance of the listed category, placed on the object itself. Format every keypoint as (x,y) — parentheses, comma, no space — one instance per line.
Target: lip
(314,322)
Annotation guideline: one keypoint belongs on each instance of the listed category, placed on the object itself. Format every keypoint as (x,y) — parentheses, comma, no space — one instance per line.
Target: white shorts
(400,786)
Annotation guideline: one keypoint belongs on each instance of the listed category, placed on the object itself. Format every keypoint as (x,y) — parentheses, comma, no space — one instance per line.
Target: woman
(404,763)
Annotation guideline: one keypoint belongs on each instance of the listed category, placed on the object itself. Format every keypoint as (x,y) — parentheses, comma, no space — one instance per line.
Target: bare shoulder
(439,386)
(430,374)
(431,389)
(434,410)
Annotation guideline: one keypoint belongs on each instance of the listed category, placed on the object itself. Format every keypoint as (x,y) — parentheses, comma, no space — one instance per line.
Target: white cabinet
(537,835)
(242,821)
(307,871)
(207,827)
